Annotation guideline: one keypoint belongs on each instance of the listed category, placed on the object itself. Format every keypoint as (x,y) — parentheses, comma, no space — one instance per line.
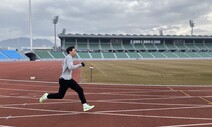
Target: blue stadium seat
(3,57)
(14,55)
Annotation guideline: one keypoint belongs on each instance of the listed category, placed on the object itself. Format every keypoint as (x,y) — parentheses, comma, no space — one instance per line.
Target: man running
(66,81)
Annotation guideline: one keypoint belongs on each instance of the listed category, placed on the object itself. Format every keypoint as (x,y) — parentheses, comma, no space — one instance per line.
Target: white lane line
(114,112)
(100,101)
(43,115)
(42,85)
(139,116)
(42,110)
(109,114)
(154,109)
(188,125)
(150,98)
(6,126)
(151,116)
(110,84)
(25,90)
(160,104)
(33,104)
(27,81)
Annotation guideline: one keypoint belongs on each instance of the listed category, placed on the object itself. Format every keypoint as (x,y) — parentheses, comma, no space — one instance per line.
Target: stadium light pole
(191,23)
(30,24)
(55,21)
(161,32)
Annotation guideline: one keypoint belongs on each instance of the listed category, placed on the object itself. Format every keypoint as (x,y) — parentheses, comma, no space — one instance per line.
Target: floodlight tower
(161,32)
(55,21)
(64,31)
(30,24)
(191,23)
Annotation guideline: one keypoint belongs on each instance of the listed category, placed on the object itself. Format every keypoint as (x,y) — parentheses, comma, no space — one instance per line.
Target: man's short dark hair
(69,49)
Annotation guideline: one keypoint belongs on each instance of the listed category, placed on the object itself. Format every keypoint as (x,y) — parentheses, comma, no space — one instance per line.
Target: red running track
(116,105)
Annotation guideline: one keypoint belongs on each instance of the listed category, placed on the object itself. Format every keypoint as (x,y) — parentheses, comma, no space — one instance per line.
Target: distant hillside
(25,42)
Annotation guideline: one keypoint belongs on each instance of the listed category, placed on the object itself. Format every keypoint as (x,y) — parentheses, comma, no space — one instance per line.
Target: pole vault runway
(115,105)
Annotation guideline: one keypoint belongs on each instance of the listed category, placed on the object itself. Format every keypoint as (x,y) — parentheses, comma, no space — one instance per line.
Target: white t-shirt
(67,67)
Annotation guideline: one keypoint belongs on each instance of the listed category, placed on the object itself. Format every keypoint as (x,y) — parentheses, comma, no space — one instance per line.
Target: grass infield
(149,72)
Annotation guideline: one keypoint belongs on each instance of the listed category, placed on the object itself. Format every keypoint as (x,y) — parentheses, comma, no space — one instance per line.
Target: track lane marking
(6,126)
(129,114)
(209,102)
(185,93)
(188,125)
(170,88)
(109,114)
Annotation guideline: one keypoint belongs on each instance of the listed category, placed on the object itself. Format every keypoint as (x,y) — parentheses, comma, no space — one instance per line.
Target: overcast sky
(105,17)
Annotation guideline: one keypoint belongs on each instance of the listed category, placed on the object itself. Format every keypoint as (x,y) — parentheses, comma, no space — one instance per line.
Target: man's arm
(71,65)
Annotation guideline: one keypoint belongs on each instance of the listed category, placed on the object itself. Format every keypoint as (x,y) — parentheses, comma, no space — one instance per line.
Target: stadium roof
(134,36)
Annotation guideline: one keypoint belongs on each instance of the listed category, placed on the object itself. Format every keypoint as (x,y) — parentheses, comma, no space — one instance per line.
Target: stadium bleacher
(181,47)
(94,47)
(96,55)
(136,51)
(102,47)
(11,55)
(128,47)
(121,55)
(43,55)
(47,55)
(134,55)
(106,46)
(150,46)
(57,55)
(161,47)
(108,55)
(146,55)
(3,57)
(84,55)
(139,46)
(201,47)
(171,47)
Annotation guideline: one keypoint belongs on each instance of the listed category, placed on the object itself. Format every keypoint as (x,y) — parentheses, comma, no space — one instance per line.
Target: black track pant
(64,85)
